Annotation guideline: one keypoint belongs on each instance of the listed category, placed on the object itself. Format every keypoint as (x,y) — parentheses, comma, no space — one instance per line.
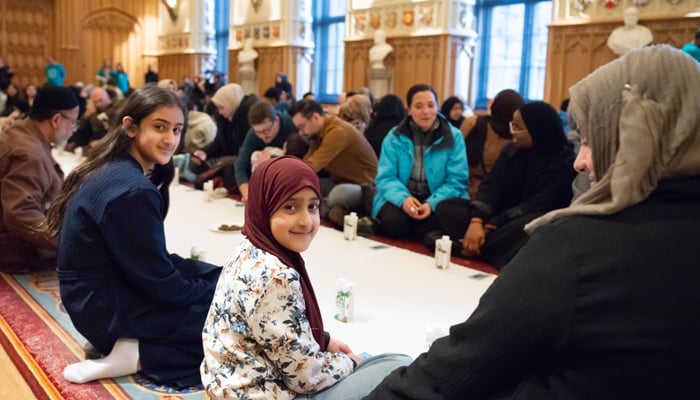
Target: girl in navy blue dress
(123,291)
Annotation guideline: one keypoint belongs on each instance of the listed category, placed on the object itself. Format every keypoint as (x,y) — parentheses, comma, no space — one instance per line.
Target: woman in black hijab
(452,109)
(386,114)
(532,176)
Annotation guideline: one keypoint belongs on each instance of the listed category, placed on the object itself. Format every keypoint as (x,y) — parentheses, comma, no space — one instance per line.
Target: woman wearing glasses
(532,175)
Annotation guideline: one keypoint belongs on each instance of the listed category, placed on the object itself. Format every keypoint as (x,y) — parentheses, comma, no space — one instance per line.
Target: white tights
(123,360)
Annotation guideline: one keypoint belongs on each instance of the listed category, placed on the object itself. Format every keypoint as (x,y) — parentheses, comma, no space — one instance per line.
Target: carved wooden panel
(85,33)
(575,51)
(26,38)
(177,66)
(420,59)
(110,34)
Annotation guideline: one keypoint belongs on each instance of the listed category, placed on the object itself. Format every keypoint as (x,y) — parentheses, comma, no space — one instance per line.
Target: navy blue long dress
(117,279)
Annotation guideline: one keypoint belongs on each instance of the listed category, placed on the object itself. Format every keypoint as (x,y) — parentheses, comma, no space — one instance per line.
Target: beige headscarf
(641,117)
(229,96)
(168,84)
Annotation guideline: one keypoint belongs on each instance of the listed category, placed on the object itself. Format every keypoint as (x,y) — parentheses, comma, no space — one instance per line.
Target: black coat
(230,134)
(591,308)
(522,182)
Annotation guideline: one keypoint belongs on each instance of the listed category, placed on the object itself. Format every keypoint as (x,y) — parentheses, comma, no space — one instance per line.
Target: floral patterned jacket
(257,340)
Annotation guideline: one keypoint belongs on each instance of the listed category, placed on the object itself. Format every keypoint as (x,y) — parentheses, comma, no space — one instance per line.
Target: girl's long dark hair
(115,144)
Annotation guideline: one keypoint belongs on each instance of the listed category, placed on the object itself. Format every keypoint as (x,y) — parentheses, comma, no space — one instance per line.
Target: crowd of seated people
(499,184)
(373,156)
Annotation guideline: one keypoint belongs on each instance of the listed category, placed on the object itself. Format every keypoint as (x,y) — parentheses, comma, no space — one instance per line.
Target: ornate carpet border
(41,348)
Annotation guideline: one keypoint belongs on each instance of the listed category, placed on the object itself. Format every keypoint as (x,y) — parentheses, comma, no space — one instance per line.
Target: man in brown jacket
(30,178)
(337,148)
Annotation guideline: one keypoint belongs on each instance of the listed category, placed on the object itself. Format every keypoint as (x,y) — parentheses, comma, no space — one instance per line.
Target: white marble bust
(247,56)
(630,36)
(380,50)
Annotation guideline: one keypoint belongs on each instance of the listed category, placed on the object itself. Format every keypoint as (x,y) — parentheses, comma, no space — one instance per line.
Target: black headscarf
(544,125)
(447,107)
(386,114)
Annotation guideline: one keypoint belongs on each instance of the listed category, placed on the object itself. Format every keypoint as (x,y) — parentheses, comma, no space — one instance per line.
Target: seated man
(96,121)
(268,128)
(336,147)
(30,178)
(273,95)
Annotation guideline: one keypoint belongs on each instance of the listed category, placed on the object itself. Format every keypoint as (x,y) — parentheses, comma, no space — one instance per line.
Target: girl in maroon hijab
(264,337)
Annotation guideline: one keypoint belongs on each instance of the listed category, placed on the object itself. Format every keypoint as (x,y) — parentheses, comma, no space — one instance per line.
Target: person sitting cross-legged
(602,301)
(532,176)
(340,150)
(422,163)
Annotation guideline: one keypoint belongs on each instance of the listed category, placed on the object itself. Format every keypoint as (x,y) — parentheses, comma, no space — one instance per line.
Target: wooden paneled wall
(177,66)
(81,34)
(417,59)
(27,38)
(574,51)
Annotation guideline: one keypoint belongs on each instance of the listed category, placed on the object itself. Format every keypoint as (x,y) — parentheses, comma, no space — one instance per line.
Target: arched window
(513,52)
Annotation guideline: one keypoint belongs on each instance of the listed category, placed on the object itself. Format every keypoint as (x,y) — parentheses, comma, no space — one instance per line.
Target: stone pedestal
(248,80)
(379,82)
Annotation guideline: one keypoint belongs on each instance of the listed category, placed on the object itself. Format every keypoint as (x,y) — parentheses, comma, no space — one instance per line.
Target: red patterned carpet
(420,248)
(40,348)
(38,337)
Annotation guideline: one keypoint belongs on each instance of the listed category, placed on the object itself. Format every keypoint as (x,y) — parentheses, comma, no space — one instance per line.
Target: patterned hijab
(639,114)
(272,183)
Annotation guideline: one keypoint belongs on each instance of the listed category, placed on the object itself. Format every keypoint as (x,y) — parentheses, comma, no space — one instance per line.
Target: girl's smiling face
(296,222)
(156,138)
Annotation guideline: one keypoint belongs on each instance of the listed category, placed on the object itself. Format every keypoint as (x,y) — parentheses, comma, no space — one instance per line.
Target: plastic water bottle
(443,252)
(176,178)
(344,300)
(208,190)
(350,226)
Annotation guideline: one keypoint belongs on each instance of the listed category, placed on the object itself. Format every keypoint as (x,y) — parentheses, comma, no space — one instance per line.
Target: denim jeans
(363,380)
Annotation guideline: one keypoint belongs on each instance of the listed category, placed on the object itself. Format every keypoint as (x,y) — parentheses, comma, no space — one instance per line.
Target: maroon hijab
(273,182)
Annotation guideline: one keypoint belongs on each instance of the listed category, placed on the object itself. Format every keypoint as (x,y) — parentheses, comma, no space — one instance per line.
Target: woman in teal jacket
(423,162)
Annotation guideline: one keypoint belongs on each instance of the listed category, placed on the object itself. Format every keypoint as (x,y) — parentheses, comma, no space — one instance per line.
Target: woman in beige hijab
(603,301)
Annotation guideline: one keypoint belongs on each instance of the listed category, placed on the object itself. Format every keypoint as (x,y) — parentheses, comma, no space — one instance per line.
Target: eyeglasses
(267,131)
(73,122)
(513,129)
(302,125)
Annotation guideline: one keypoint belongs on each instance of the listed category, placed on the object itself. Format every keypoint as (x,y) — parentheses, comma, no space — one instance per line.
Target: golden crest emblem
(390,19)
(407,17)
(375,20)
(360,23)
